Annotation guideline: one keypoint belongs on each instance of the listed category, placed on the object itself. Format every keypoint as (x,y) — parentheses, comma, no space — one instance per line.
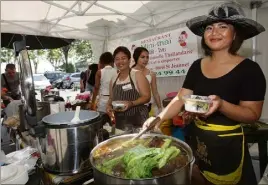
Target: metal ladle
(76,115)
(151,126)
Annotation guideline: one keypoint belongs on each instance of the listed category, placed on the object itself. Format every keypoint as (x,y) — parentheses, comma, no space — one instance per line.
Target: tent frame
(47,25)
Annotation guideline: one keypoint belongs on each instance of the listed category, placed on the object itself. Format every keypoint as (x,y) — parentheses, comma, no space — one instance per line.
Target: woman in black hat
(236,87)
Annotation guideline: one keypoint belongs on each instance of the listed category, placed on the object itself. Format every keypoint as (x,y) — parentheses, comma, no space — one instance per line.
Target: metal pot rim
(189,152)
(67,124)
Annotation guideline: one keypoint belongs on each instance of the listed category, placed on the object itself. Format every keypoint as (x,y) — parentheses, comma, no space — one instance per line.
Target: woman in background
(82,81)
(102,81)
(90,77)
(132,88)
(141,58)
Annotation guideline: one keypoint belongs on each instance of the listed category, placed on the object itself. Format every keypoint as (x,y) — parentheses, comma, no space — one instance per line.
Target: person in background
(132,88)
(11,81)
(236,87)
(82,81)
(90,77)
(141,58)
(102,81)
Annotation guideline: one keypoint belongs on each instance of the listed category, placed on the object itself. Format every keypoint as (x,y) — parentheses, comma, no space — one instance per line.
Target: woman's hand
(128,105)
(109,110)
(3,92)
(148,122)
(215,105)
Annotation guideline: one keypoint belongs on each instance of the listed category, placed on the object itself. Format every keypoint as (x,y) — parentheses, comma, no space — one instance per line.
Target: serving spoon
(151,126)
(76,115)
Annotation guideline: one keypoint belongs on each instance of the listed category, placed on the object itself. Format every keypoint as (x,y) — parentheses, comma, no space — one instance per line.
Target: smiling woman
(141,58)
(235,87)
(221,36)
(132,89)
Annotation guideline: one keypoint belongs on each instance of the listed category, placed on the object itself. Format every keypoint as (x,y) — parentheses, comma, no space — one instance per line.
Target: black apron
(132,119)
(221,153)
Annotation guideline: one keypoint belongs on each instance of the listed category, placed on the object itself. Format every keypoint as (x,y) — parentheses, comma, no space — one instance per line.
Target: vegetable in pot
(139,162)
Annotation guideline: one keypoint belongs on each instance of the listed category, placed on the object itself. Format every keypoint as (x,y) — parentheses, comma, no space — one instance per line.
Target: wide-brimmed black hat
(229,13)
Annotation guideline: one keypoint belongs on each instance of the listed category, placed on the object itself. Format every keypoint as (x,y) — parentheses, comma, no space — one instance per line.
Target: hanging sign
(171,53)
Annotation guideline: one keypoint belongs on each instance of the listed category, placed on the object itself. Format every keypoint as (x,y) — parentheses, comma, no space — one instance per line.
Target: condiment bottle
(68,105)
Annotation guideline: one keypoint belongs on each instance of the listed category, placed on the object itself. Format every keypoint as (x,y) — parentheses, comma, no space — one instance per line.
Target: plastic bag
(23,157)
(13,108)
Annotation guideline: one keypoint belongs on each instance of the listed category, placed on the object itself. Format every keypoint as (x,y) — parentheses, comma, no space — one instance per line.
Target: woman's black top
(246,82)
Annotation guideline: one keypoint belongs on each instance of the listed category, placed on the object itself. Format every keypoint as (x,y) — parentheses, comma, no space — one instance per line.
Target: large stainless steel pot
(65,147)
(181,176)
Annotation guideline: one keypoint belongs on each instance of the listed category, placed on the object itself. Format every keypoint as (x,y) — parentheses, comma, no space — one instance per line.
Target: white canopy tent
(98,21)
(108,24)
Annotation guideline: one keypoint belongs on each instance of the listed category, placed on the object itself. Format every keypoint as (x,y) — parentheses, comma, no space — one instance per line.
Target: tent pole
(105,45)
(254,5)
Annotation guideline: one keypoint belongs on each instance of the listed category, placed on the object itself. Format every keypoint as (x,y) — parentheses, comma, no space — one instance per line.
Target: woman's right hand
(109,110)
(4,91)
(148,122)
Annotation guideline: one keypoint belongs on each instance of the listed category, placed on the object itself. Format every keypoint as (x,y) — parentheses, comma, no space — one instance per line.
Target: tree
(68,67)
(82,50)
(54,56)
(65,50)
(35,56)
(81,65)
(7,55)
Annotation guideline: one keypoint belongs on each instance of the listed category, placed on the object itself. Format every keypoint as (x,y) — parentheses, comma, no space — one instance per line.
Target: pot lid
(64,118)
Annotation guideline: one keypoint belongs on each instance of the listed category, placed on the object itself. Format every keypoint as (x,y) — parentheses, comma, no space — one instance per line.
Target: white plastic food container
(118,105)
(196,104)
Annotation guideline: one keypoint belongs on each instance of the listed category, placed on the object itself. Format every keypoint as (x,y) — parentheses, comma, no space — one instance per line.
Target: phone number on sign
(178,72)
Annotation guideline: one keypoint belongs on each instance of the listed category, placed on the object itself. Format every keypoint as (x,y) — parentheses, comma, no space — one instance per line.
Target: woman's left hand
(128,105)
(215,104)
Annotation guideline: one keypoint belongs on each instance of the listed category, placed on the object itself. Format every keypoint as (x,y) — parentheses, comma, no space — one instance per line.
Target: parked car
(40,81)
(55,75)
(71,80)
(59,82)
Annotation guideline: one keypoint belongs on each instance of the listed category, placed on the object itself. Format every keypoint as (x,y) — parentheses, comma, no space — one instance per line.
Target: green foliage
(68,67)
(82,50)
(79,50)
(7,55)
(81,64)
(54,56)
(65,50)
(35,56)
